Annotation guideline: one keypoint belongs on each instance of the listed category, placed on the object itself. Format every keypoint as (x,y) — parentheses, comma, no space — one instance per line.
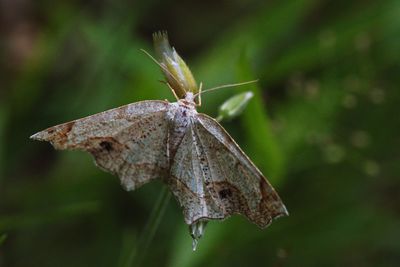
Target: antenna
(160,65)
(224,86)
(199,93)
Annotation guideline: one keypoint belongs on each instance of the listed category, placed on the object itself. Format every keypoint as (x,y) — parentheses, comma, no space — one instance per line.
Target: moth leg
(200,88)
(172,90)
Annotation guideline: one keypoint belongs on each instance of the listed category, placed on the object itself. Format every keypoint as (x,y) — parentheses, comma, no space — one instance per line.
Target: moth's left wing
(129,141)
(232,180)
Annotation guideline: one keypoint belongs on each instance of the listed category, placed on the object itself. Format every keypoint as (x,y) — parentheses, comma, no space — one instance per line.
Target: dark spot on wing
(106,146)
(225,193)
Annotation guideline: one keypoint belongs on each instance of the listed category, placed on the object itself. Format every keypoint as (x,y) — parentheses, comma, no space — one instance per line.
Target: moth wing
(129,141)
(236,184)
(227,182)
(186,181)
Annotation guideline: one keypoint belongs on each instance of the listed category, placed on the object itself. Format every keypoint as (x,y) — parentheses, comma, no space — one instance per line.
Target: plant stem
(135,258)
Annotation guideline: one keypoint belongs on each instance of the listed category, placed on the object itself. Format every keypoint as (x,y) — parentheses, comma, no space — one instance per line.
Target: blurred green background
(323,127)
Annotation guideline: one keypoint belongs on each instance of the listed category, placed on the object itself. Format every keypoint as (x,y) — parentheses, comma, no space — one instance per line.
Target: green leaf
(260,142)
(234,106)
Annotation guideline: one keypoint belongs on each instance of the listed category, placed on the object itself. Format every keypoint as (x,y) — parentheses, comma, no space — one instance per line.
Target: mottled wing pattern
(129,141)
(187,183)
(227,181)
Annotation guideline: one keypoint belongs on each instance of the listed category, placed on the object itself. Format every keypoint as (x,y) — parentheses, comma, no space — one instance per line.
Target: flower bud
(234,106)
(176,72)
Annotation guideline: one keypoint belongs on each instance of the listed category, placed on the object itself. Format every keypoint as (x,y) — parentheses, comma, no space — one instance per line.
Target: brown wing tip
(58,132)
(275,211)
(278,212)
(50,135)
(283,212)
(40,136)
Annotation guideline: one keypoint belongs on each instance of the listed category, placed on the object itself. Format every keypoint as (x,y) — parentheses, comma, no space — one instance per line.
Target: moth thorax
(178,125)
(189,97)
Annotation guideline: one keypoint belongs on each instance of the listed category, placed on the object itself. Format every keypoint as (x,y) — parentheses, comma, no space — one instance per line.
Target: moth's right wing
(129,141)
(235,183)
(212,178)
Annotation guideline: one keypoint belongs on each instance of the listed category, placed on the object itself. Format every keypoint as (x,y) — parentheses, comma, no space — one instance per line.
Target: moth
(207,172)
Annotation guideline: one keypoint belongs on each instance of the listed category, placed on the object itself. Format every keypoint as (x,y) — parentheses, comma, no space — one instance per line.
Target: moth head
(177,73)
(189,100)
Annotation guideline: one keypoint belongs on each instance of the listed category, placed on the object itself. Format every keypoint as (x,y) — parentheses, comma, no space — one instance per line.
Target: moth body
(207,172)
(180,115)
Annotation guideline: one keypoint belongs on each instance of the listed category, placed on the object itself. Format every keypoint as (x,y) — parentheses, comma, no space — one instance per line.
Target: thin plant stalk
(153,223)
